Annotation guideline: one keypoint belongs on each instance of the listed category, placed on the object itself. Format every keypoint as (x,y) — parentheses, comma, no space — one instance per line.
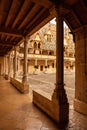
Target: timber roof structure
(20,18)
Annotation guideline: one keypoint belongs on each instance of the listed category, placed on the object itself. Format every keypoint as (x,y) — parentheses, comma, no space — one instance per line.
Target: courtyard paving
(18,113)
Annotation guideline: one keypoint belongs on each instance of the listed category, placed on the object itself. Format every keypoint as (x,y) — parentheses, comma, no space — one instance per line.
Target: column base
(80,106)
(15,75)
(59,95)
(25,80)
(6,77)
(60,101)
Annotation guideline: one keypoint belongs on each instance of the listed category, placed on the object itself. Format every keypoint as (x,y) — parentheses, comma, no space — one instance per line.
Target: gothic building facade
(42,51)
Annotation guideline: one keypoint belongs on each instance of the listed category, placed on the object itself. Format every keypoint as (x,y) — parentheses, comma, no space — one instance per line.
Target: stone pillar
(46,66)
(46,62)
(9,66)
(4,67)
(54,63)
(41,51)
(18,65)
(25,73)
(35,62)
(80,102)
(36,67)
(59,96)
(6,64)
(15,62)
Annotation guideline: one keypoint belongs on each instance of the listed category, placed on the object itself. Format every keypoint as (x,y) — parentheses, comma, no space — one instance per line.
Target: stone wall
(81,73)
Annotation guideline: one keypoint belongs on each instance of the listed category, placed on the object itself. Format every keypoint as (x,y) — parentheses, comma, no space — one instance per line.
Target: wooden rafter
(21,11)
(6,42)
(9,14)
(76,17)
(37,17)
(29,15)
(7,45)
(14,5)
(11,32)
(39,25)
(44,3)
(2,6)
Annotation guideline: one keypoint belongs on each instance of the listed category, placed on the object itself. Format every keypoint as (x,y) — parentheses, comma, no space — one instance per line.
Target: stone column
(6,67)
(15,62)
(9,66)
(46,66)
(54,63)
(59,96)
(18,65)
(36,67)
(6,64)
(35,62)
(46,62)
(25,73)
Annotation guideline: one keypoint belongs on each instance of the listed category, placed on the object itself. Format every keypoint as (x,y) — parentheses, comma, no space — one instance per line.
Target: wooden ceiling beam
(37,17)
(7,45)
(38,25)
(9,14)
(2,6)
(7,42)
(7,38)
(11,32)
(29,15)
(44,3)
(14,5)
(76,17)
(4,51)
(3,37)
(21,11)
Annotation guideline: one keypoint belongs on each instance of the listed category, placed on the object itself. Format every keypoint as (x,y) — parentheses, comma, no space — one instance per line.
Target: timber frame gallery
(19,19)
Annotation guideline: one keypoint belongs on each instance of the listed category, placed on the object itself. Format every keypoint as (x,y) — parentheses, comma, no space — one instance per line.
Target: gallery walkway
(18,113)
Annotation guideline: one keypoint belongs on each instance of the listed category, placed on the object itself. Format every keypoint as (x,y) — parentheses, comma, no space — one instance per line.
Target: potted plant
(36,66)
(46,66)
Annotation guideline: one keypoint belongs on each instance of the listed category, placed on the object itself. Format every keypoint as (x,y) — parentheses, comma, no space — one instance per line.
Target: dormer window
(48,35)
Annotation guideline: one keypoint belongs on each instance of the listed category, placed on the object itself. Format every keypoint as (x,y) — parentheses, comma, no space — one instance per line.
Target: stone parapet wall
(57,112)
(19,85)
